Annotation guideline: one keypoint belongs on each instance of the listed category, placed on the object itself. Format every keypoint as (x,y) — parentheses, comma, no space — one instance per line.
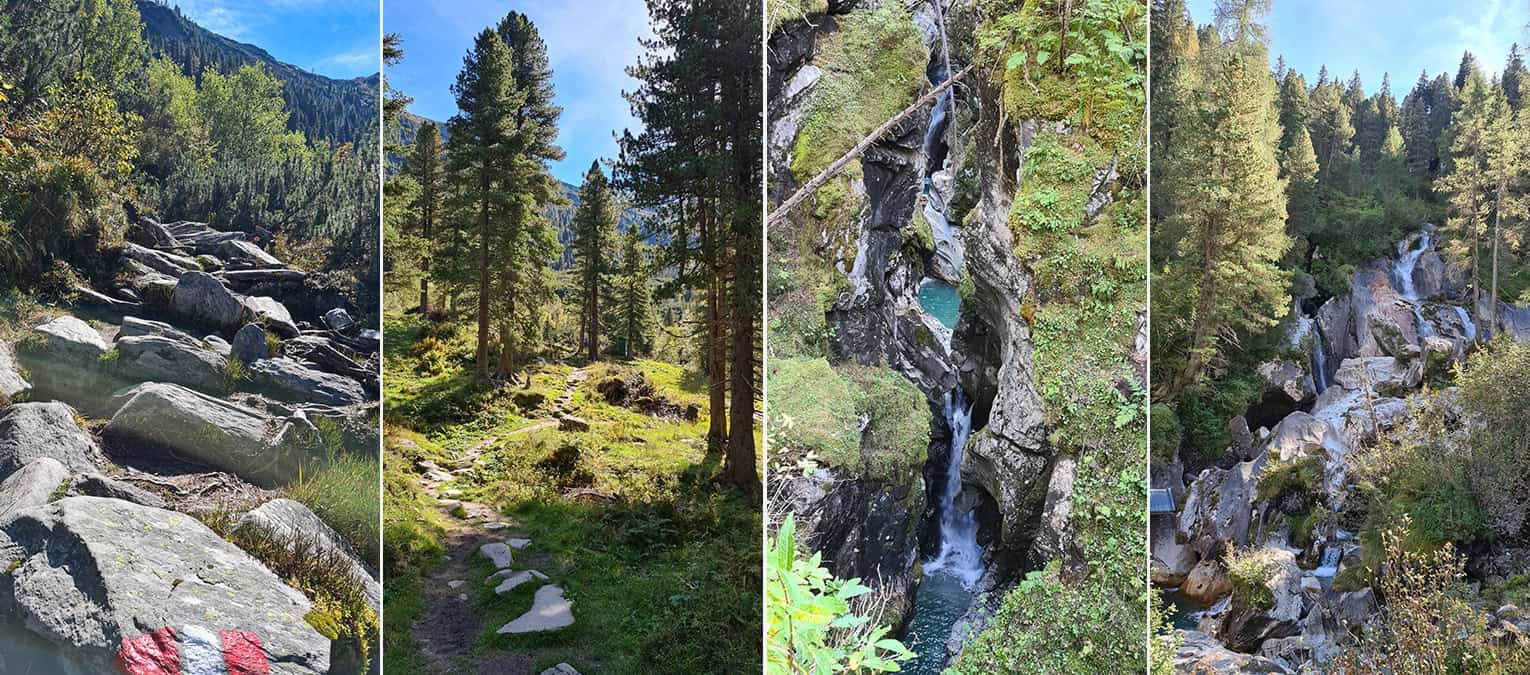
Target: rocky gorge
(150,434)
(1273,561)
(910,263)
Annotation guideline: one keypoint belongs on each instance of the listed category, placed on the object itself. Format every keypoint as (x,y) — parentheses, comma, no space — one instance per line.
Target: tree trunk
(595,317)
(717,356)
(429,215)
(1503,186)
(481,356)
(1202,328)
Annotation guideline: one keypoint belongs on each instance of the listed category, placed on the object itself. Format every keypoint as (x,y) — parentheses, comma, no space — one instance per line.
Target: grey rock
(273,314)
(339,320)
(33,485)
(243,255)
(136,327)
(246,278)
(150,358)
(574,424)
(1244,628)
(561,669)
(1218,507)
(1201,653)
(289,380)
(291,521)
(1056,532)
(1288,378)
(249,343)
(67,338)
(512,581)
(549,611)
(88,572)
(268,451)
(99,485)
(169,264)
(497,553)
(12,384)
(30,431)
(201,297)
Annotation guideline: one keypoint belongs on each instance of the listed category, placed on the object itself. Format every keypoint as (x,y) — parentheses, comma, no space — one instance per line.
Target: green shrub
(1302,476)
(897,436)
(1250,571)
(812,407)
(344,494)
(1166,434)
(810,626)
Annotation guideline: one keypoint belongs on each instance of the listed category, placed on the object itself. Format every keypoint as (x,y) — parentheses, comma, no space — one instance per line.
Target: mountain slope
(322,108)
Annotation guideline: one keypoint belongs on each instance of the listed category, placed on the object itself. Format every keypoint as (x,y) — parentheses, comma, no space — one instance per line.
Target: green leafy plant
(811,628)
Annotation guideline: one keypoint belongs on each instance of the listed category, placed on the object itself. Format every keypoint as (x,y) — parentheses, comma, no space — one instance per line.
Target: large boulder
(239,254)
(1336,328)
(1287,385)
(86,573)
(292,522)
(33,485)
(262,449)
(66,339)
(165,263)
(30,431)
(288,380)
(273,315)
(1201,653)
(250,344)
(1207,582)
(1382,376)
(1381,320)
(1248,624)
(151,358)
(136,327)
(12,384)
(1218,507)
(202,298)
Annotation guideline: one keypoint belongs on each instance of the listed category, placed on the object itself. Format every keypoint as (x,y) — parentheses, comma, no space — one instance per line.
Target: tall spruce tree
(1472,181)
(594,243)
(1231,203)
(425,167)
(633,297)
(1515,76)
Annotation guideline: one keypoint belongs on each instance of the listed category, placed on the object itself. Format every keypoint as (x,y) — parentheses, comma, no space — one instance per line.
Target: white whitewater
(1319,361)
(1407,261)
(1466,322)
(960,556)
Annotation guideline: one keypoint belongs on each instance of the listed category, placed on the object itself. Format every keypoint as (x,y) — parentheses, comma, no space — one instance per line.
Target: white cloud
(349,60)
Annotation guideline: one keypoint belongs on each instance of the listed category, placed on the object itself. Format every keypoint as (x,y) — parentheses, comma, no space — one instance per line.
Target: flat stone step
(518,544)
(497,553)
(549,611)
(455,584)
(512,581)
(496,526)
(561,669)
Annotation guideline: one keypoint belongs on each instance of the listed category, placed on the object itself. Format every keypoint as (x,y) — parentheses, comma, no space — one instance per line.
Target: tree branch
(839,164)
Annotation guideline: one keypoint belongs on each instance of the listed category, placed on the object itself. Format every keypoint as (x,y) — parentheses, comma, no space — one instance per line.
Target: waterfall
(1319,360)
(959,556)
(1402,270)
(1330,565)
(1424,329)
(1466,323)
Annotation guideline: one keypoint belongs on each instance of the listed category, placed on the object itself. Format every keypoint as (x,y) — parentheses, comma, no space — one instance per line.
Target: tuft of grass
(273,344)
(1250,571)
(344,494)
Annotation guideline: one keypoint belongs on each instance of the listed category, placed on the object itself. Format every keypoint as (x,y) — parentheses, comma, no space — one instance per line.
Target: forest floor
(615,506)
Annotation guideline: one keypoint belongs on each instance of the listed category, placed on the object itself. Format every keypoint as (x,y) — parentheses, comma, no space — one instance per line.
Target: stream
(945,593)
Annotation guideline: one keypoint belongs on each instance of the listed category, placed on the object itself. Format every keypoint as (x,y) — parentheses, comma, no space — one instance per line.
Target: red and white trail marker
(193,650)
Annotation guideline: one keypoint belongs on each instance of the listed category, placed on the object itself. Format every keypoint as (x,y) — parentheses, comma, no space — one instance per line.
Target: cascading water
(960,555)
(1319,360)
(945,593)
(1407,261)
(1466,323)
(1424,329)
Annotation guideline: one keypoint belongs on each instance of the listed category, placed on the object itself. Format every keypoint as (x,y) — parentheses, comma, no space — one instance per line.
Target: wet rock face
(88,572)
(1201,653)
(864,529)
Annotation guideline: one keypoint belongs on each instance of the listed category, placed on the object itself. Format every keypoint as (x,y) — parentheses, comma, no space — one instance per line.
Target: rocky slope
(209,378)
(899,219)
(1363,364)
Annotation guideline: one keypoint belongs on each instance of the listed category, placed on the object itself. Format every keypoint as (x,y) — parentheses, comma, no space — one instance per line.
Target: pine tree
(1232,208)
(635,314)
(1295,111)
(594,242)
(1471,180)
(1466,70)
(1332,129)
(1515,76)
(424,166)
(480,157)
(1299,166)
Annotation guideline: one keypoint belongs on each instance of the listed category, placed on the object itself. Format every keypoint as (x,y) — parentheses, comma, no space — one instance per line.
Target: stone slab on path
(497,553)
(549,611)
(561,669)
(515,579)
(518,543)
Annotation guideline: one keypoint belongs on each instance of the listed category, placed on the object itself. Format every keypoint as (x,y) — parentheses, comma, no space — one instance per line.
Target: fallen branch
(839,164)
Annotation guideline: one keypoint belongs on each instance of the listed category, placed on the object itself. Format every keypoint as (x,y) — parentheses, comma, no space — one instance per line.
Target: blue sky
(336,38)
(589,43)
(1401,37)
